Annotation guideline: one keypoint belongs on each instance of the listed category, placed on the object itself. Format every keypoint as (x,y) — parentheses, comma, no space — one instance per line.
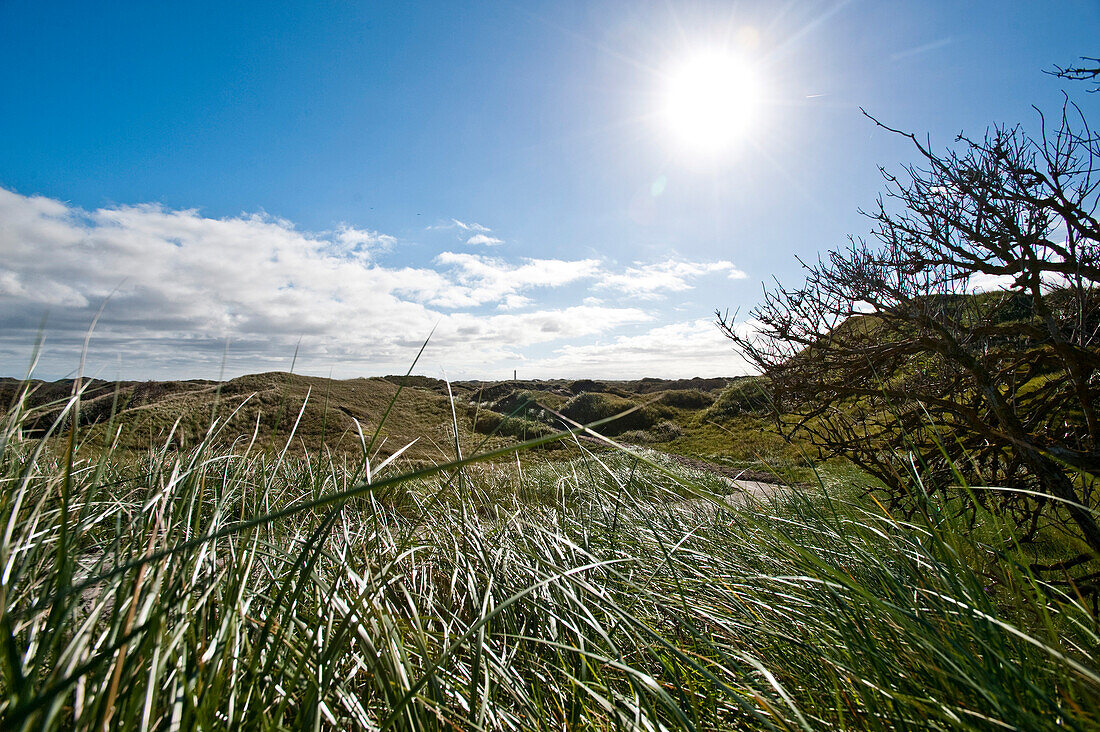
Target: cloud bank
(179,289)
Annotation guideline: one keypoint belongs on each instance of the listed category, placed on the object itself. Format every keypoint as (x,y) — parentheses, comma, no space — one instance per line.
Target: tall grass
(224,588)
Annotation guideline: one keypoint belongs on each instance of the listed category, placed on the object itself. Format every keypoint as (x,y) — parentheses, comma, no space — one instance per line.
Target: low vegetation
(221,586)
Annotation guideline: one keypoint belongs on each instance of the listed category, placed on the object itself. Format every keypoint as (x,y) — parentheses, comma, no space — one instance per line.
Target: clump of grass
(223,588)
(492,423)
(664,431)
(687,399)
(621,414)
(745,395)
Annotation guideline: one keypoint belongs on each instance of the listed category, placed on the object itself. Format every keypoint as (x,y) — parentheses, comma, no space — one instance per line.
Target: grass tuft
(224,585)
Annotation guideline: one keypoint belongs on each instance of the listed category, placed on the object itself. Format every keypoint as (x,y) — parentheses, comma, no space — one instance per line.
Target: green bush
(581,386)
(687,399)
(489,422)
(588,407)
(664,431)
(747,395)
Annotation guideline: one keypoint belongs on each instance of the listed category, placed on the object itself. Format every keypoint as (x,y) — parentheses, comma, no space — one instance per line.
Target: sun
(710,101)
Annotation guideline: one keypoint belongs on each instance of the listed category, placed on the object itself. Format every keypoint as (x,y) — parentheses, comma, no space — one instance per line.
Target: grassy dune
(227,584)
(321,412)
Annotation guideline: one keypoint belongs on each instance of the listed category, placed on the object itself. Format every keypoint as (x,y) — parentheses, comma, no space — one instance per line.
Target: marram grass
(228,588)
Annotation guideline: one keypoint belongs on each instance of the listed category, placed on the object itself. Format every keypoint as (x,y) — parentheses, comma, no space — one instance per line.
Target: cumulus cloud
(678,350)
(180,285)
(981,282)
(985,282)
(650,281)
(362,243)
(476,279)
(515,302)
(484,240)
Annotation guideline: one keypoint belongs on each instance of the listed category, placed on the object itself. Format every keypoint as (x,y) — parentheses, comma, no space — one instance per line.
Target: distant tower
(514,375)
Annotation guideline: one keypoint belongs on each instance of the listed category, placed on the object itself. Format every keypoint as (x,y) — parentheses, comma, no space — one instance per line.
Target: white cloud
(514,302)
(484,240)
(179,286)
(363,243)
(477,279)
(464,226)
(479,235)
(679,350)
(985,282)
(650,281)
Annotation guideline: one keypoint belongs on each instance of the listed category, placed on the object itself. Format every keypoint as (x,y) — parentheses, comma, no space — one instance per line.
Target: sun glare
(710,101)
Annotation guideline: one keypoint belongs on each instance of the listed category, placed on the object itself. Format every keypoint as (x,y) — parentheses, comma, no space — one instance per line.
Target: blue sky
(237,180)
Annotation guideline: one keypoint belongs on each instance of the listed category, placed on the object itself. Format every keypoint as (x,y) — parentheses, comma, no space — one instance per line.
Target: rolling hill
(687,416)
